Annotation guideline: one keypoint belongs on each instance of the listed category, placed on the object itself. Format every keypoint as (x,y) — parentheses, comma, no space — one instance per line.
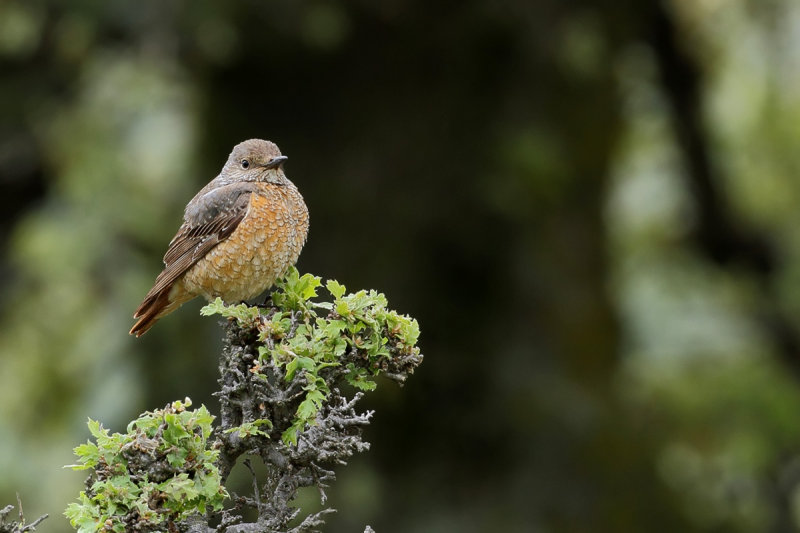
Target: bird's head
(255,160)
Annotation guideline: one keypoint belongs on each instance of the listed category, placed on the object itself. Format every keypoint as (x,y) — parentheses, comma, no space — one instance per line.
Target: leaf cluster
(159,472)
(354,336)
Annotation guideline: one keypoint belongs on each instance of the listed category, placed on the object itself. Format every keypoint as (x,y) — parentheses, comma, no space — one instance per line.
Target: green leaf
(363,384)
(97,430)
(339,347)
(310,406)
(217,307)
(248,429)
(204,419)
(177,457)
(174,432)
(334,328)
(179,491)
(88,454)
(243,313)
(358,378)
(181,406)
(335,288)
(289,436)
(299,363)
(307,286)
(342,308)
(307,409)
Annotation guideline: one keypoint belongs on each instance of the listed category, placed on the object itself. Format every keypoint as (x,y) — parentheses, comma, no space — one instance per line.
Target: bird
(240,233)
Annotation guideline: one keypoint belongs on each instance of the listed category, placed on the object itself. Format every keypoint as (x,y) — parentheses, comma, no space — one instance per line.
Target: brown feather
(148,316)
(188,246)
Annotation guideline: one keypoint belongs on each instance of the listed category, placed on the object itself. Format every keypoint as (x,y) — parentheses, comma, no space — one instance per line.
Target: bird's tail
(156,306)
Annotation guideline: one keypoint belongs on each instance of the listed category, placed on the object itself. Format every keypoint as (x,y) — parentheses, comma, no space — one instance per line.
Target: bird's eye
(245,163)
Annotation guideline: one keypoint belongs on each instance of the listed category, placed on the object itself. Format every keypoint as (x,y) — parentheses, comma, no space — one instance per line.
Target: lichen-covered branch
(19,525)
(287,363)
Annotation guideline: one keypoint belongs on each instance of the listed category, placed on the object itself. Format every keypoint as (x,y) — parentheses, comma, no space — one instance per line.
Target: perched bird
(240,233)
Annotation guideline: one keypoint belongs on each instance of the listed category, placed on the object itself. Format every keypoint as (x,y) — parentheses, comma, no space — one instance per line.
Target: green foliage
(354,335)
(159,472)
(242,312)
(250,429)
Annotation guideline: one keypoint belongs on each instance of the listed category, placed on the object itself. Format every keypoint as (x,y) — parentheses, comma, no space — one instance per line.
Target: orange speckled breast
(266,243)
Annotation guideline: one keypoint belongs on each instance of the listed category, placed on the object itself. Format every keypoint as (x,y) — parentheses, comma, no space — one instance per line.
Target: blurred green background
(590,206)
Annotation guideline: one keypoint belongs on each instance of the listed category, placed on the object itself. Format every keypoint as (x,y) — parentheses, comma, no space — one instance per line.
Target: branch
(286,364)
(14,526)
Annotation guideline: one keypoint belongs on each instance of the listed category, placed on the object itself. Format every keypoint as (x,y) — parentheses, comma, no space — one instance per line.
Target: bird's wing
(213,219)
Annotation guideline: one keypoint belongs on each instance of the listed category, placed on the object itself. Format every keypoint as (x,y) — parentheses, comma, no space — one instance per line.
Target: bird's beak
(277,162)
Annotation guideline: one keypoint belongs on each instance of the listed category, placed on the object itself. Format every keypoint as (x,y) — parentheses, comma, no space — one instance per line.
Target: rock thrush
(240,233)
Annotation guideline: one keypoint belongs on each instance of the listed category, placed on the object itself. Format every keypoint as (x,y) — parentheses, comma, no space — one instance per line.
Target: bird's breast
(263,246)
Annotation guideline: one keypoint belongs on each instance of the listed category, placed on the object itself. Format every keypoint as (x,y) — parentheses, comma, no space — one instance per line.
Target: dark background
(589,206)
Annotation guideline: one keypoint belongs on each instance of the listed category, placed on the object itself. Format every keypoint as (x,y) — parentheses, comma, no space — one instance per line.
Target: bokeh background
(590,206)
